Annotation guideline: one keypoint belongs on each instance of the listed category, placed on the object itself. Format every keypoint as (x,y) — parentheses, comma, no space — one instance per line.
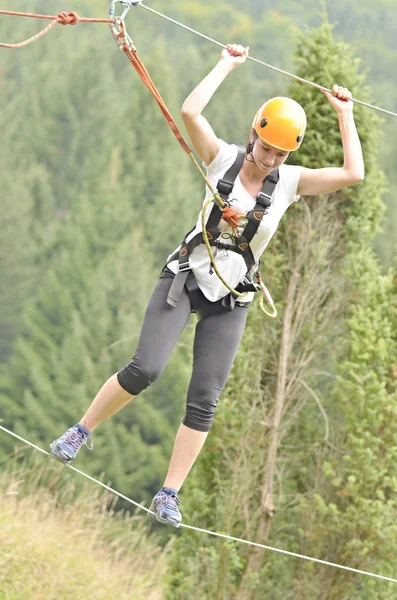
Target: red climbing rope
(64,18)
(144,75)
(229,214)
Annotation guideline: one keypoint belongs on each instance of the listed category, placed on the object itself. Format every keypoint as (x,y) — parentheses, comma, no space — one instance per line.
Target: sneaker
(67,446)
(165,507)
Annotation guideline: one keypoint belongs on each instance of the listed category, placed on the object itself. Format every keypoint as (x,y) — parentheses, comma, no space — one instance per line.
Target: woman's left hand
(340,99)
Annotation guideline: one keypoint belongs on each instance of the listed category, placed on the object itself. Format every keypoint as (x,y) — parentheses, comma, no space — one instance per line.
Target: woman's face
(267,157)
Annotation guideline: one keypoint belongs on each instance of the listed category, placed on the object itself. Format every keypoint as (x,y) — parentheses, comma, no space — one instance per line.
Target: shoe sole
(160,519)
(58,456)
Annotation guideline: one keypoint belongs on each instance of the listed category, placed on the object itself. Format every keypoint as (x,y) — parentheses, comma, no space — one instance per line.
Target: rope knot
(231,217)
(71,18)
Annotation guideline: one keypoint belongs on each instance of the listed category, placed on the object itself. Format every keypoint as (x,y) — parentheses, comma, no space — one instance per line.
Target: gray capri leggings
(217,337)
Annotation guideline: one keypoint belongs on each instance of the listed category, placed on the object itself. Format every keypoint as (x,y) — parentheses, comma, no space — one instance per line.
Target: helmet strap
(250,148)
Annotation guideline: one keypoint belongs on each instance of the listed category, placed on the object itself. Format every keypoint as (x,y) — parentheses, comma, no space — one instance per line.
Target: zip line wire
(207,531)
(72,19)
(254,60)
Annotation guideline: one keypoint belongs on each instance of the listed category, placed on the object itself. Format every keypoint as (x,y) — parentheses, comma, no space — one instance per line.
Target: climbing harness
(212,233)
(207,531)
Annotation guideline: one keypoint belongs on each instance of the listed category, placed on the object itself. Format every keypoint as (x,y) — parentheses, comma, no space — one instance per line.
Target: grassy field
(59,544)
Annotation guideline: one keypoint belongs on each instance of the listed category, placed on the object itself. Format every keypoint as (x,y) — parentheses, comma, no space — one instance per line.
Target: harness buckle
(264,199)
(184,266)
(224,187)
(250,281)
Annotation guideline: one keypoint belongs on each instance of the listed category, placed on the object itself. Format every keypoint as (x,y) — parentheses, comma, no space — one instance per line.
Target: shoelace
(76,439)
(170,501)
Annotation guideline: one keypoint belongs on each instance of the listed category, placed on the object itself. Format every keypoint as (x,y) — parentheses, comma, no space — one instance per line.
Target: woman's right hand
(201,134)
(234,55)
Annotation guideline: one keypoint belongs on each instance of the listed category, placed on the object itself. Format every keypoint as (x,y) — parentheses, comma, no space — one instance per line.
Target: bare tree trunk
(312,255)
(255,558)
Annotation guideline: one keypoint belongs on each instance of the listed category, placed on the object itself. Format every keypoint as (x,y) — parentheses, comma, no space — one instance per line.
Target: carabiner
(128,3)
(120,34)
(265,295)
(118,26)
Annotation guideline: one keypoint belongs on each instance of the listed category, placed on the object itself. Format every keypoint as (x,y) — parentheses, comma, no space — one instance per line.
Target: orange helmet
(281,122)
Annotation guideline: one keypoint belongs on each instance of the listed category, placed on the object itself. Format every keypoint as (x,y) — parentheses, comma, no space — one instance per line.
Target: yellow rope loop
(272,314)
(216,198)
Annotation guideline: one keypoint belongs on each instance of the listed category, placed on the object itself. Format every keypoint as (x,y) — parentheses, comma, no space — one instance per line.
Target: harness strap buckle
(250,281)
(184,266)
(225,187)
(264,199)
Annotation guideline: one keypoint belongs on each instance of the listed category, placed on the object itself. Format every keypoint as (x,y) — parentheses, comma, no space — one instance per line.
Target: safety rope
(63,18)
(207,531)
(254,60)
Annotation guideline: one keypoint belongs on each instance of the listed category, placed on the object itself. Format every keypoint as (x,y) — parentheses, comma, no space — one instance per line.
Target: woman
(278,129)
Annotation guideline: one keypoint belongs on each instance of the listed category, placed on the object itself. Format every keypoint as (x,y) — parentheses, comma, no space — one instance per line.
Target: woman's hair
(249,147)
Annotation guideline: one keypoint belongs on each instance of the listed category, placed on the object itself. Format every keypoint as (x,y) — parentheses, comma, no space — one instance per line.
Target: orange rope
(140,68)
(231,217)
(63,18)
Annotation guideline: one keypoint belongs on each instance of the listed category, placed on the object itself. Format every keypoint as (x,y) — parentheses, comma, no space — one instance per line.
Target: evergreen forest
(95,193)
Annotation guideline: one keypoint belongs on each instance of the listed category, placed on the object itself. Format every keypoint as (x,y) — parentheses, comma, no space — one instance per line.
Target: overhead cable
(259,62)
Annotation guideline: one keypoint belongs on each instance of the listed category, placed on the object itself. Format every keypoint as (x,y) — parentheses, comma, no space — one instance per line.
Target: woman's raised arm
(201,134)
(331,179)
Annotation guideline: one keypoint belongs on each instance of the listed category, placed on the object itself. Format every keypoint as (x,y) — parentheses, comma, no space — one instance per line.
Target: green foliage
(95,193)
(356,481)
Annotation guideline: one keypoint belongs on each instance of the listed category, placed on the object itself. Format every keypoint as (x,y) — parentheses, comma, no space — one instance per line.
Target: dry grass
(72,545)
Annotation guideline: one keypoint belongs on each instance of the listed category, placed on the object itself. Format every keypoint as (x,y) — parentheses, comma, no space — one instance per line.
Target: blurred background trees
(95,193)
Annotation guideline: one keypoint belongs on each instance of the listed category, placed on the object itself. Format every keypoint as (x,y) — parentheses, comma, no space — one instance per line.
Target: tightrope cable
(207,531)
(259,62)
(72,19)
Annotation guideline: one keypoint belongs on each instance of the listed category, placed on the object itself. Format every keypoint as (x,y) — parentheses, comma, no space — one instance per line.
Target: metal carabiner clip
(120,34)
(117,28)
(128,3)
